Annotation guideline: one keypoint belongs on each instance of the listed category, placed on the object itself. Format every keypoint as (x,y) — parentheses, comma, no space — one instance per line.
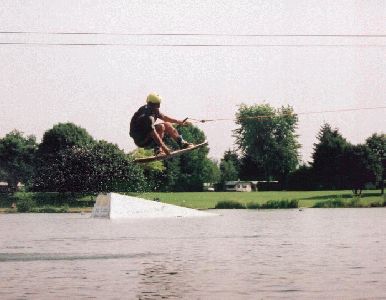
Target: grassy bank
(46,202)
(209,200)
(55,202)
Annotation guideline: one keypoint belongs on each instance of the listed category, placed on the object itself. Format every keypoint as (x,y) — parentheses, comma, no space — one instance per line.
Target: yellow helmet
(153,98)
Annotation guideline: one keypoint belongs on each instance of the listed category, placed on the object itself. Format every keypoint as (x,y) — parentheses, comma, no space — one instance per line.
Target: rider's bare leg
(168,128)
(160,128)
(158,137)
(171,131)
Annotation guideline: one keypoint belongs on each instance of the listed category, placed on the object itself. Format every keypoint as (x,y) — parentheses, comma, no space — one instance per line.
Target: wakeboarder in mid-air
(147,134)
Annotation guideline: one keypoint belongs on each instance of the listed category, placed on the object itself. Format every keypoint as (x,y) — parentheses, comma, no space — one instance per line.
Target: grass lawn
(207,200)
(47,199)
(198,200)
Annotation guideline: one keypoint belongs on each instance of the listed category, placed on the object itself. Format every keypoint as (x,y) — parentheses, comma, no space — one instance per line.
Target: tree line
(69,159)
(267,149)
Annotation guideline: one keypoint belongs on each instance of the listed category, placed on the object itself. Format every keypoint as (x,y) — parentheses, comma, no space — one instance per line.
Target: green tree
(267,136)
(228,171)
(327,158)
(62,136)
(54,171)
(229,167)
(360,166)
(191,177)
(251,170)
(170,177)
(97,167)
(188,171)
(377,144)
(211,171)
(233,157)
(302,179)
(153,171)
(3,175)
(17,155)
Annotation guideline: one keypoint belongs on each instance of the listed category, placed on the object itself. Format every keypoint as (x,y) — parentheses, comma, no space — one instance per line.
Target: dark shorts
(146,142)
(141,132)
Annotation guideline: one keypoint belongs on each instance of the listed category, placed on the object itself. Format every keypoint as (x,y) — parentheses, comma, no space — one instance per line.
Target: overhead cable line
(193,34)
(197,45)
(261,117)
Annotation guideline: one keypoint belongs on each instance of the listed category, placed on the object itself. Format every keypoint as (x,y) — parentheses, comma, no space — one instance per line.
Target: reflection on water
(158,281)
(315,253)
(6,257)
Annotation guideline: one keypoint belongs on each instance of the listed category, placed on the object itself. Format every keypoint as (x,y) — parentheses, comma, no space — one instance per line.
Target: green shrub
(229,204)
(89,168)
(276,204)
(339,202)
(25,205)
(6,199)
(253,205)
(50,209)
(333,203)
(54,199)
(355,202)
(273,204)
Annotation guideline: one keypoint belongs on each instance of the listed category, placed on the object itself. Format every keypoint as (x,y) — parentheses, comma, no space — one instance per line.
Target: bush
(333,203)
(302,179)
(100,167)
(275,204)
(355,202)
(6,199)
(253,205)
(61,199)
(268,186)
(49,199)
(229,204)
(25,205)
(50,209)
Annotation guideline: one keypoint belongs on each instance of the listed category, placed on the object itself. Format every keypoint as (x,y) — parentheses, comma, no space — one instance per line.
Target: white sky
(99,88)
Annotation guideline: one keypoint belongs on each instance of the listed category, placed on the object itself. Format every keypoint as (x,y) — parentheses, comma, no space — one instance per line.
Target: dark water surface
(243,254)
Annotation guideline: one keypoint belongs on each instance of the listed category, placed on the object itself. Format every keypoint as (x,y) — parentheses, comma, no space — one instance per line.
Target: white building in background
(4,187)
(208,187)
(240,186)
(249,186)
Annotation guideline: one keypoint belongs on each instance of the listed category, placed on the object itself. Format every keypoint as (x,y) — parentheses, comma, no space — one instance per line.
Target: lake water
(242,254)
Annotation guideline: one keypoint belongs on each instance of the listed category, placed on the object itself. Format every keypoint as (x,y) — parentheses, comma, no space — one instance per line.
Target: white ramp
(117,206)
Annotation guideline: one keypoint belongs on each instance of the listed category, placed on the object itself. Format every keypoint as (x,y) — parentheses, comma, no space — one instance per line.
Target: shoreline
(89,210)
(71,210)
(83,203)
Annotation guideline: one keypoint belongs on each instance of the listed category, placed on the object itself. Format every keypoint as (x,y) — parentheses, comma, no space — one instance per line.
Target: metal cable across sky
(197,44)
(195,34)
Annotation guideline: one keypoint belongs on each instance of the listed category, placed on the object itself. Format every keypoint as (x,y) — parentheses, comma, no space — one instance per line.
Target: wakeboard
(173,154)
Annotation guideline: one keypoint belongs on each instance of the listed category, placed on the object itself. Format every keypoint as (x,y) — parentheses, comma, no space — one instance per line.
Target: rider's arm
(170,120)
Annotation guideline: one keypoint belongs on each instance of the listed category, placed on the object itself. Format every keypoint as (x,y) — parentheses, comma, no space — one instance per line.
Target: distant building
(4,188)
(208,187)
(238,186)
(249,186)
